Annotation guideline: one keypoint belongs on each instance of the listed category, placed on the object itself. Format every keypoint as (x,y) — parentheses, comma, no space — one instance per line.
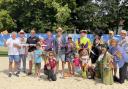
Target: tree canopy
(69,14)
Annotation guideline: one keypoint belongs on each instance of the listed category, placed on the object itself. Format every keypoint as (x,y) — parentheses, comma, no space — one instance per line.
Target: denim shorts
(60,56)
(14,58)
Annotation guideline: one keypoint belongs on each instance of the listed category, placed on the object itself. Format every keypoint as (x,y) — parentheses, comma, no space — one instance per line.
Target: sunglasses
(21,33)
(69,38)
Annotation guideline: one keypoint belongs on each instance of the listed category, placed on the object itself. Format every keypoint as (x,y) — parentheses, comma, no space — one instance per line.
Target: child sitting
(50,67)
(76,65)
(38,59)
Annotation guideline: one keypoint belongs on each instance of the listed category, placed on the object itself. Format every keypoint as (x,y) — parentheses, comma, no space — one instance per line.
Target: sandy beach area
(30,82)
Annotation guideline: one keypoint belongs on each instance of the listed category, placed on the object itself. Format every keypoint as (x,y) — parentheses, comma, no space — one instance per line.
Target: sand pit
(30,82)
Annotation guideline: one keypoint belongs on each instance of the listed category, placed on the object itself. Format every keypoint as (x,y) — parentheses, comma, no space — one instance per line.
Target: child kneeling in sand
(38,59)
(50,67)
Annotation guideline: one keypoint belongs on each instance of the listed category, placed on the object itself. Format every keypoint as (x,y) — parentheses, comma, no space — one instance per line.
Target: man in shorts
(13,45)
(32,41)
(59,48)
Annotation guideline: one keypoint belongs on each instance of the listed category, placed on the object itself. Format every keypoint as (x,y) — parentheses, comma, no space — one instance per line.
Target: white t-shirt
(22,50)
(11,49)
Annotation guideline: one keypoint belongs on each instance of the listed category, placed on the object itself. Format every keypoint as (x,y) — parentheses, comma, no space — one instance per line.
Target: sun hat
(21,32)
(59,29)
(83,31)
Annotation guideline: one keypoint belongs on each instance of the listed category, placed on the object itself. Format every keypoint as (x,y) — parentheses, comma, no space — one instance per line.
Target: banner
(105,37)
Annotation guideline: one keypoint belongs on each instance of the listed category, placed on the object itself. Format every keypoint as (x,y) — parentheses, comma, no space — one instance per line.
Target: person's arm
(77,45)
(54,69)
(5,43)
(89,44)
(17,45)
(54,45)
(110,61)
(26,48)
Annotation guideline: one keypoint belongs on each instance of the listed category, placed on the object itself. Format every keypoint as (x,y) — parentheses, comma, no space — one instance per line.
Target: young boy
(38,59)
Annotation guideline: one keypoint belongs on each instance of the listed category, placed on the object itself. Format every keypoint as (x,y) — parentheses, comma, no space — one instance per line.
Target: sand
(30,82)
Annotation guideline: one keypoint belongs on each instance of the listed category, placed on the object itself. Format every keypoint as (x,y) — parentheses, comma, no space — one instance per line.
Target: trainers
(24,71)
(17,74)
(10,75)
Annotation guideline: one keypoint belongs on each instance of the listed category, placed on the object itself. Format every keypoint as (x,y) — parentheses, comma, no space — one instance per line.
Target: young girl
(38,59)
(86,64)
(76,65)
(50,67)
(42,43)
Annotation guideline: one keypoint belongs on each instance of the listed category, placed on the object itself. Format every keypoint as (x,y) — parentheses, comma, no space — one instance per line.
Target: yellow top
(83,40)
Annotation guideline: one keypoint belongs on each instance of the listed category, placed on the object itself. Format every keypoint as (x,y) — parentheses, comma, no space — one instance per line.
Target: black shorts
(38,65)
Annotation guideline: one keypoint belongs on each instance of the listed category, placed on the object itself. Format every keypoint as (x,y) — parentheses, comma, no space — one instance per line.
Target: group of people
(97,60)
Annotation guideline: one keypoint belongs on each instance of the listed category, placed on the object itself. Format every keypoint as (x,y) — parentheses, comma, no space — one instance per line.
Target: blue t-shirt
(37,57)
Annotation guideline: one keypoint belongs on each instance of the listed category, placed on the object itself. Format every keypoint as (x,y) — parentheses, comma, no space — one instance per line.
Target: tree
(6,22)
(69,14)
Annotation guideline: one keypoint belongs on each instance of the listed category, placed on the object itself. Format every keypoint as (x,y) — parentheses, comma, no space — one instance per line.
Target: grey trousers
(23,59)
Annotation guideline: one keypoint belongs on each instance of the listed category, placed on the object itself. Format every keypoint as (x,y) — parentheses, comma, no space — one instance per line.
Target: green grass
(3,52)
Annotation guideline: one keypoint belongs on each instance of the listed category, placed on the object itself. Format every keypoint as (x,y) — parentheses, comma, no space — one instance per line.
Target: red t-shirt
(51,63)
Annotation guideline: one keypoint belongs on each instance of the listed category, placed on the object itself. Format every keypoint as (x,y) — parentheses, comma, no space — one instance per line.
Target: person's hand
(119,55)
(16,45)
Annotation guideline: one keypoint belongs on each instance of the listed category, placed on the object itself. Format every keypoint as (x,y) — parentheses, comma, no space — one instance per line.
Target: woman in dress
(69,54)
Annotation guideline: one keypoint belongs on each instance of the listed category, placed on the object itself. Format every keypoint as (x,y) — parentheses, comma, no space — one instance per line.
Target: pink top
(51,63)
(76,61)
(43,44)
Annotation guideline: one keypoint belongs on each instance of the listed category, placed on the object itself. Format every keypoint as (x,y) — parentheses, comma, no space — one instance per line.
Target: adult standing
(32,41)
(106,65)
(23,50)
(124,44)
(49,42)
(13,45)
(83,41)
(96,48)
(70,53)
(59,48)
(120,58)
